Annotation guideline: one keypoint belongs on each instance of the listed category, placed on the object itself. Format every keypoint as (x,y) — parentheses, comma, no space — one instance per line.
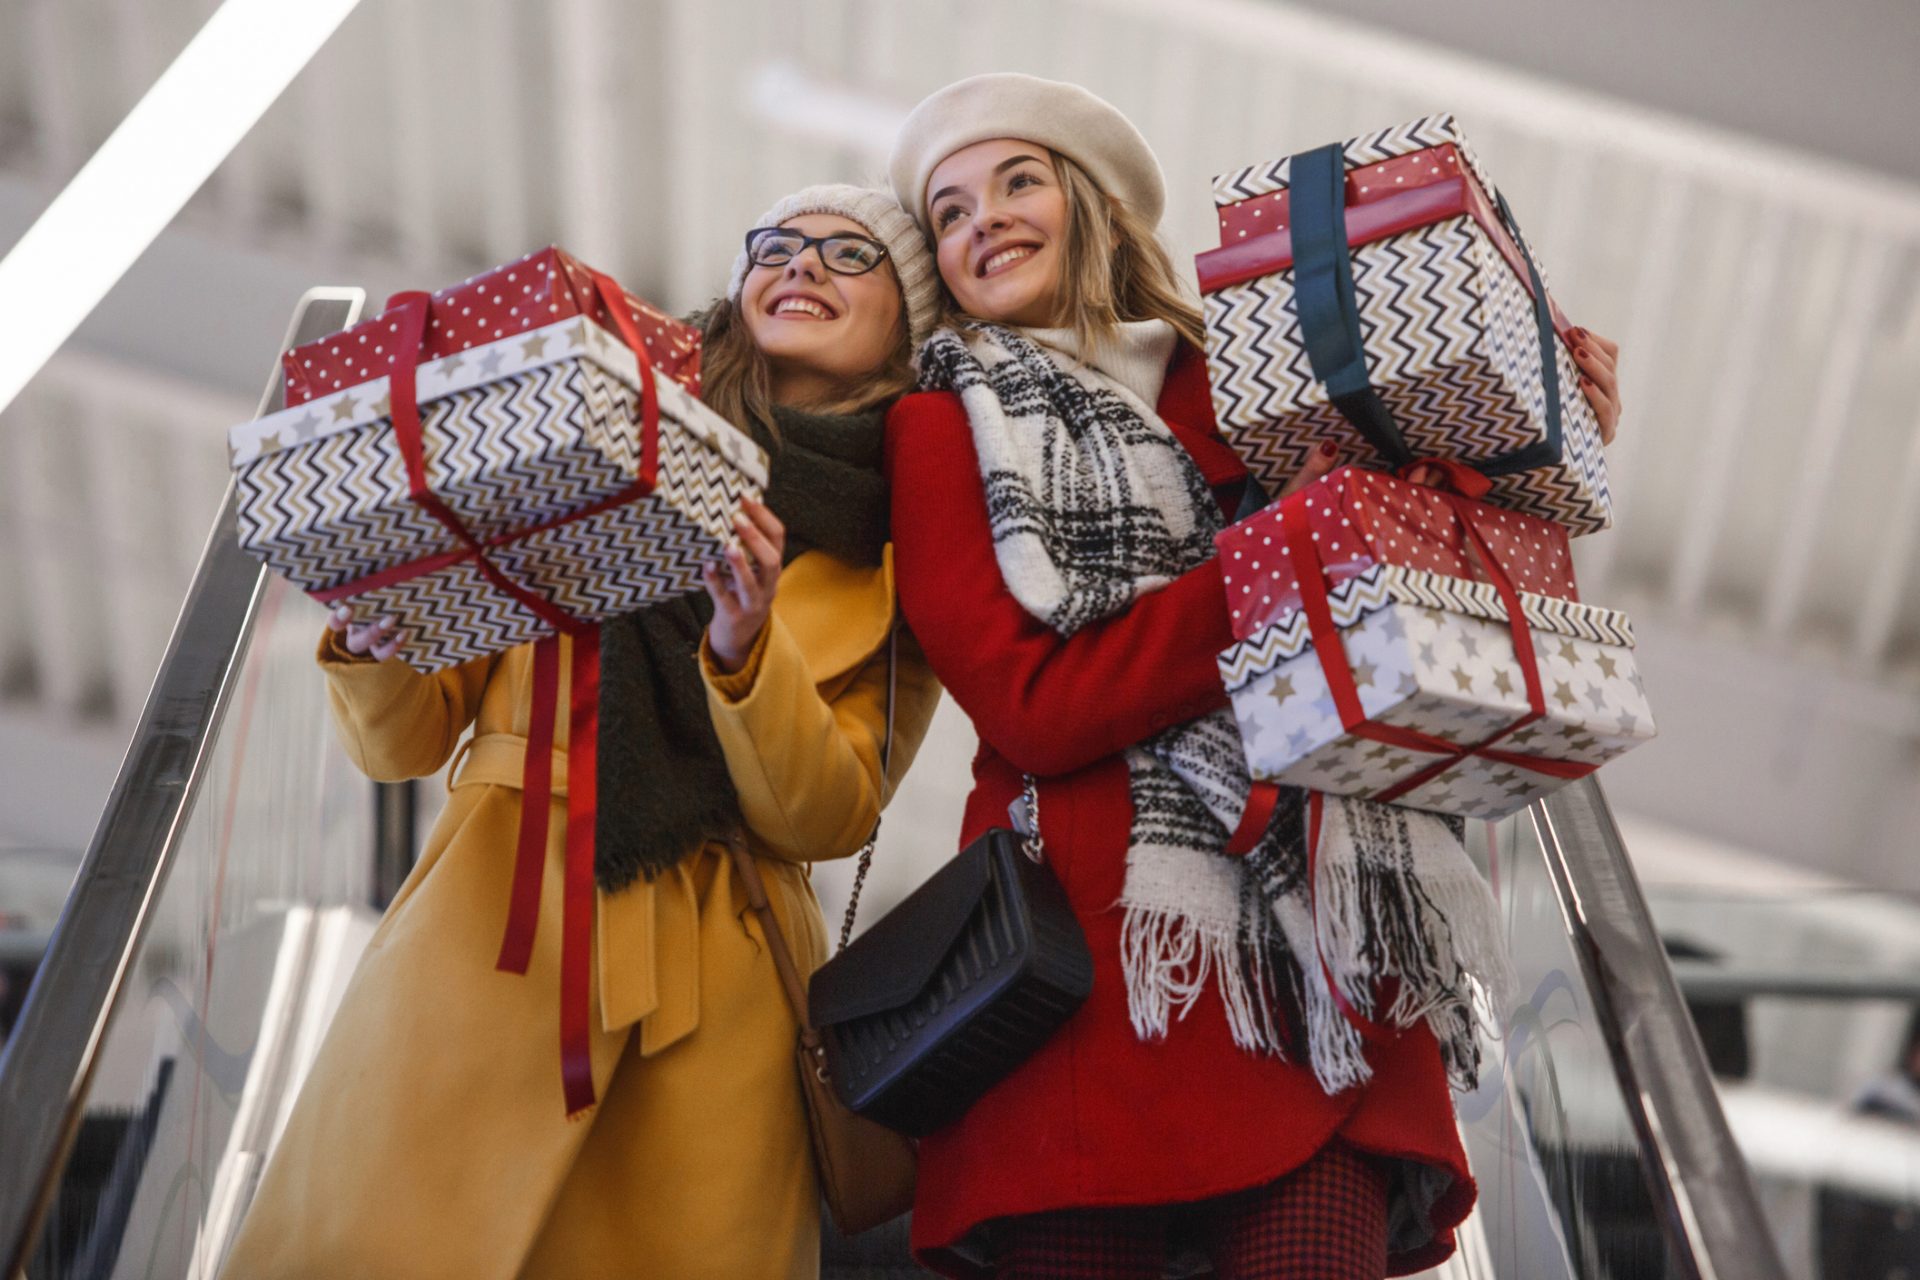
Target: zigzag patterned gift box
(554,479)
(1376,293)
(1435,655)
(1362,518)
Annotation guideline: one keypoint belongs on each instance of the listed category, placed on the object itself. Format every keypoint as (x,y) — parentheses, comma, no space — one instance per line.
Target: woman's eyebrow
(998,169)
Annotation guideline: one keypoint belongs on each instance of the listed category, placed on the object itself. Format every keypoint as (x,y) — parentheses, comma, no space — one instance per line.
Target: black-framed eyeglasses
(843,252)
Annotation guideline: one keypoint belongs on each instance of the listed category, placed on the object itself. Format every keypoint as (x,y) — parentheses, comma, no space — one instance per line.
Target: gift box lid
(540,289)
(1386,585)
(1362,518)
(1379,165)
(368,403)
(1409,176)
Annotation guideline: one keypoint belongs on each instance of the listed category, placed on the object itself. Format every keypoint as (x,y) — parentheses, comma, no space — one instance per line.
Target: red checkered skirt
(1326,1220)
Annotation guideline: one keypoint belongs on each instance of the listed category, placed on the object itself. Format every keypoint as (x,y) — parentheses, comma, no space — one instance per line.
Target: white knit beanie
(886,222)
(1005,104)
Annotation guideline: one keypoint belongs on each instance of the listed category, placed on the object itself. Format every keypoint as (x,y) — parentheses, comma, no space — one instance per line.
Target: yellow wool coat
(430,1138)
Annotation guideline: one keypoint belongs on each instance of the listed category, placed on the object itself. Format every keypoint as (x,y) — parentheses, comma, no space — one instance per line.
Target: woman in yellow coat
(430,1139)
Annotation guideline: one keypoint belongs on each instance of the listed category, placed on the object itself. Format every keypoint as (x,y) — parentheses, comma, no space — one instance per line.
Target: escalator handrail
(1699,1181)
(48,1062)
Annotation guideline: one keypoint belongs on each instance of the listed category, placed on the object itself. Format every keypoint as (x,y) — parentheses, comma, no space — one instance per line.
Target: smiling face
(999,218)
(822,332)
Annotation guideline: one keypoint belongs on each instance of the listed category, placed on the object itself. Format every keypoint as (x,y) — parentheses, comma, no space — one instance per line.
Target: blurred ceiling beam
(1719,455)
(1833,403)
(53,88)
(133,185)
(1890,582)
(1657,272)
(409,137)
(586,99)
(506,219)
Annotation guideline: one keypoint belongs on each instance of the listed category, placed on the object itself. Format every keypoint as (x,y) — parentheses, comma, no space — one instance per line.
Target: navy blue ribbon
(1330,316)
(1324,297)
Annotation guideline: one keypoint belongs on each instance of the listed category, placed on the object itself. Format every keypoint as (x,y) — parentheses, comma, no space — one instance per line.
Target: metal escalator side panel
(1699,1181)
(48,1064)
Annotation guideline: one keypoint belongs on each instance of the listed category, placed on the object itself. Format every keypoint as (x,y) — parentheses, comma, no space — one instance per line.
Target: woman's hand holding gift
(1599,362)
(742,588)
(1325,457)
(379,639)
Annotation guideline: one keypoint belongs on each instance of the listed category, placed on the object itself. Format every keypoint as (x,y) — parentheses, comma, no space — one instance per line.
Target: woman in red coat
(1053,515)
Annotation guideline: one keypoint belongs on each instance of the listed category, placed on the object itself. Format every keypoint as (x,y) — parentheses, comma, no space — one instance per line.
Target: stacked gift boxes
(1378,655)
(566,471)
(1414,325)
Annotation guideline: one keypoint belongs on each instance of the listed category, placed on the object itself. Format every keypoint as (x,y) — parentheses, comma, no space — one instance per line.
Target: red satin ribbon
(536,794)
(576,907)
(1328,644)
(404,408)
(1261,799)
(536,783)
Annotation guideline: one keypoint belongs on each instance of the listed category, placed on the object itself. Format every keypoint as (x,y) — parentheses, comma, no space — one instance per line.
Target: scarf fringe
(1436,931)
(1167,959)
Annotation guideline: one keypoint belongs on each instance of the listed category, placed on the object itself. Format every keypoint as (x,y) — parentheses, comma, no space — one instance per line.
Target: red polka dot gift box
(1378,294)
(1358,519)
(521,455)
(1418,647)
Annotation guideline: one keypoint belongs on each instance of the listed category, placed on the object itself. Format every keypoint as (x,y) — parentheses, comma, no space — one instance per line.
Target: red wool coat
(1097,1117)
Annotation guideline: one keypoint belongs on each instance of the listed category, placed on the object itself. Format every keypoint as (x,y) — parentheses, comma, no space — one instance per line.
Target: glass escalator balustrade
(255,932)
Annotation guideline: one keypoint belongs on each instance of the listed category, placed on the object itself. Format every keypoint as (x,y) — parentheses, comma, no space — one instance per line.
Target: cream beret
(884,220)
(1006,104)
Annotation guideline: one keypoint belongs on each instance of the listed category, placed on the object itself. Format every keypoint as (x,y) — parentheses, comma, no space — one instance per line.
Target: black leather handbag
(951,990)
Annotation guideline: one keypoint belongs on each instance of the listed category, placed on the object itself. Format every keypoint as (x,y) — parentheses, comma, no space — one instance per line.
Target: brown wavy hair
(736,378)
(1114,268)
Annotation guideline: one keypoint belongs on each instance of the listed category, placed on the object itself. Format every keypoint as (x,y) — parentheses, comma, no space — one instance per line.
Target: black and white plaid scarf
(1094,503)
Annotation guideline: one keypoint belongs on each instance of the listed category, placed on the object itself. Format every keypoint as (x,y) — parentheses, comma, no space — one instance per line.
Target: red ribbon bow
(1327,643)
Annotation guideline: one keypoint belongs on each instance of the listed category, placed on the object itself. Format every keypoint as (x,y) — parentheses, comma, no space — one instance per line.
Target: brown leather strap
(748,870)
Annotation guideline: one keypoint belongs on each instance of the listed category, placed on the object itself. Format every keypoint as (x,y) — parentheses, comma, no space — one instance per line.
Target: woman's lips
(1005,259)
(796,306)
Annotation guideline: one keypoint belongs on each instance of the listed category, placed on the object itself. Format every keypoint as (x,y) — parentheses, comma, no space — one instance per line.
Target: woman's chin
(796,339)
(1016,302)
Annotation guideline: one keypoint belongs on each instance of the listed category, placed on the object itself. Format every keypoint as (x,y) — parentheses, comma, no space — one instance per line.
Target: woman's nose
(991,218)
(806,264)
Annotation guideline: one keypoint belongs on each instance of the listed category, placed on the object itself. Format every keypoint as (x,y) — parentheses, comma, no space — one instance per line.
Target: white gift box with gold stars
(522,436)
(1435,654)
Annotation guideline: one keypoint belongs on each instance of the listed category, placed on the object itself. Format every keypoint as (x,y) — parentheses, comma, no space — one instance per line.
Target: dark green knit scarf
(663,785)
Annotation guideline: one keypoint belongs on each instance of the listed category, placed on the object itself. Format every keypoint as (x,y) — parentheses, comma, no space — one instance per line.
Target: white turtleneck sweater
(1135,355)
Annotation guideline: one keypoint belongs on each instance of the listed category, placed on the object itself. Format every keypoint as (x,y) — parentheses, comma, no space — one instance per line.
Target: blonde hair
(1114,268)
(736,378)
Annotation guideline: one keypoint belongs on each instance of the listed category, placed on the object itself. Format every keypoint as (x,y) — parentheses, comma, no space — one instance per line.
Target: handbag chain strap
(1030,838)
(886,781)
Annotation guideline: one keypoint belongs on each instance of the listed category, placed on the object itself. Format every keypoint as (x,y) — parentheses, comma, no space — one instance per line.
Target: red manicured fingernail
(1329,450)
(1578,334)
(1581,354)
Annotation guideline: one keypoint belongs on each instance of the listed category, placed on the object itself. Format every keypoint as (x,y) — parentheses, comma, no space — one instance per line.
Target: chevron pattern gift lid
(368,404)
(1371,165)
